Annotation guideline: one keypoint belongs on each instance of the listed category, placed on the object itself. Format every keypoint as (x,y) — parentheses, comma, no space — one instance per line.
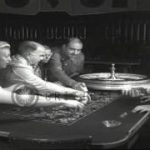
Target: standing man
(66,63)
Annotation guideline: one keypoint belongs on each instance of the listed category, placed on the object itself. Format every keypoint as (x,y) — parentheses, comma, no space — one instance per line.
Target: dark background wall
(113,37)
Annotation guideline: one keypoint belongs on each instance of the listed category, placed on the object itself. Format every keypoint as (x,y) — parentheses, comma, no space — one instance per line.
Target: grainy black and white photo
(74,74)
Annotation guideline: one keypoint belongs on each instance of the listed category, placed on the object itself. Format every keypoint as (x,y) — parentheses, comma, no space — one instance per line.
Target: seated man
(26,100)
(21,71)
(67,62)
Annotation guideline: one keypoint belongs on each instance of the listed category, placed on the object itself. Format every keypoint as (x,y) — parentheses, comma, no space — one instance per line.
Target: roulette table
(106,122)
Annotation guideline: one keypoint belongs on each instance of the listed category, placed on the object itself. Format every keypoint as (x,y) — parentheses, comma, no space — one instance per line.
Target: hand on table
(73,104)
(141,108)
(80,86)
(84,99)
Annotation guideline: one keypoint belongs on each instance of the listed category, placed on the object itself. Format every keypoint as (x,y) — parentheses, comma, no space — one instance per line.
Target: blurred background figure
(41,69)
(48,54)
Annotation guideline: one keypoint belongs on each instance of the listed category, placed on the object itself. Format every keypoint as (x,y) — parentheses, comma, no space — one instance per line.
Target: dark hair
(73,39)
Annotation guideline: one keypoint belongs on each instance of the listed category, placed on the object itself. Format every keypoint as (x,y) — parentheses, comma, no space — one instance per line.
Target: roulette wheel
(114,81)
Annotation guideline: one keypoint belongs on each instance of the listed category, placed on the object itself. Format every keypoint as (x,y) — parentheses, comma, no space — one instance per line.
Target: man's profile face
(37,55)
(48,54)
(4,57)
(73,48)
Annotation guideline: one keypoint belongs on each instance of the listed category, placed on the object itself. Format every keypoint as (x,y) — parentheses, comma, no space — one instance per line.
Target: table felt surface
(89,126)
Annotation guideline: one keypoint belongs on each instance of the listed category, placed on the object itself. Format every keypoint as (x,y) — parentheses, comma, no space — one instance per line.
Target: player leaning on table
(66,63)
(6,95)
(21,70)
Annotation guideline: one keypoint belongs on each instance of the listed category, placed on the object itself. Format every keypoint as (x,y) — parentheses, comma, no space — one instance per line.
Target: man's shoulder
(19,62)
(18,59)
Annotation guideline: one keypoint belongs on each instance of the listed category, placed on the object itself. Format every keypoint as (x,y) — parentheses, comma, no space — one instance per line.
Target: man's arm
(25,75)
(26,100)
(56,101)
(5,96)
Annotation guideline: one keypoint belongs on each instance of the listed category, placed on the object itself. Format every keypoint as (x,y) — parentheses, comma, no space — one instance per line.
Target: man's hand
(131,92)
(145,98)
(134,92)
(141,108)
(80,86)
(84,99)
(74,104)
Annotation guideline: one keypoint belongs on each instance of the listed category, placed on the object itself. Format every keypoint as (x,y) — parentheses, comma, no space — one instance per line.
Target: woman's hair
(4,44)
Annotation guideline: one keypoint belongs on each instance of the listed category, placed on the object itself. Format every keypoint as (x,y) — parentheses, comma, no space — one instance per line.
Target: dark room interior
(113,32)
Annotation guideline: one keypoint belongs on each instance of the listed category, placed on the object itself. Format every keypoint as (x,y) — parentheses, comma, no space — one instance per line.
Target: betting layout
(62,115)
